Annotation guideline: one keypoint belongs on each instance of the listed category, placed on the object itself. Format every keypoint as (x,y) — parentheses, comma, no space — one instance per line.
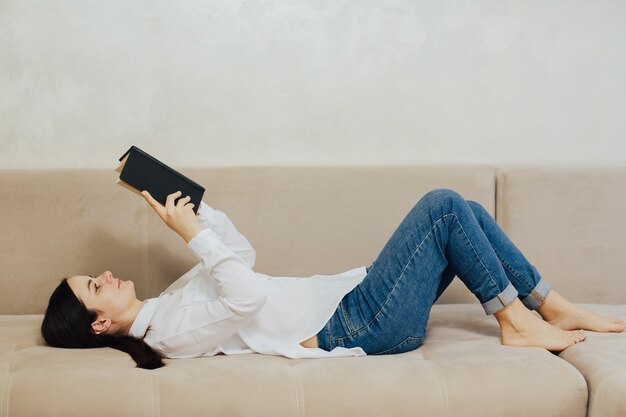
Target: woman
(223,306)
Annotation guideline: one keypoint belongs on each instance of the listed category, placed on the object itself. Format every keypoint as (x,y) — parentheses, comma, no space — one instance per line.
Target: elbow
(251,258)
(257,302)
(249,305)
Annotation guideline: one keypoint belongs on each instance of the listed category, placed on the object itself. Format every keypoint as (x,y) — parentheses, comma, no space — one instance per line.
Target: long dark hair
(67,324)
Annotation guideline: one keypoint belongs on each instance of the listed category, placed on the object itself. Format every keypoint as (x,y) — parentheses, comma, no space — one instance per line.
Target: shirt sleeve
(198,328)
(219,222)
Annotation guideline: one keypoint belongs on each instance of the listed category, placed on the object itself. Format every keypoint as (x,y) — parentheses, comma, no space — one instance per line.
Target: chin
(128,283)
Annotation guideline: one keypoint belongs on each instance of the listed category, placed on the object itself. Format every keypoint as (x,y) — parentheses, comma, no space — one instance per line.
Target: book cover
(139,171)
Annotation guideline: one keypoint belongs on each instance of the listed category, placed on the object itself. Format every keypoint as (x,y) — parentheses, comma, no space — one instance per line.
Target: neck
(129,319)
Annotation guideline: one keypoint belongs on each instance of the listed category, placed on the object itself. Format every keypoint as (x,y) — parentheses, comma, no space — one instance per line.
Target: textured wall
(227,82)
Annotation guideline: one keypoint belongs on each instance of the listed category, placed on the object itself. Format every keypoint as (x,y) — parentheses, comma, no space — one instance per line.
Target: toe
(618,326)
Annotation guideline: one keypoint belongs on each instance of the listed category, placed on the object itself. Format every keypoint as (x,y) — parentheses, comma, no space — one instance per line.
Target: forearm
(189,231)
(221,224)
(235,279)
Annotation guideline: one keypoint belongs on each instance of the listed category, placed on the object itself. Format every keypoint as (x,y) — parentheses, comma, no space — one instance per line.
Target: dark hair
(67,324)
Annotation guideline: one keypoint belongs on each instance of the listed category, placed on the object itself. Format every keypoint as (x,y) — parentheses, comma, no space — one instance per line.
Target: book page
(128,186)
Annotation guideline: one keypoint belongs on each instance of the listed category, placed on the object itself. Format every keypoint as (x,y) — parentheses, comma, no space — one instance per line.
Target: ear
(100,326)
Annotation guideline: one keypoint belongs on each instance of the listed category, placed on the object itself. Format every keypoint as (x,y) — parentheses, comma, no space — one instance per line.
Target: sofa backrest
(571,224)
(301,221)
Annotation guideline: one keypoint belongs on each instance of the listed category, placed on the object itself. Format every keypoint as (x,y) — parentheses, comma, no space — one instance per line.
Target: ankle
(509,317)
(552,306)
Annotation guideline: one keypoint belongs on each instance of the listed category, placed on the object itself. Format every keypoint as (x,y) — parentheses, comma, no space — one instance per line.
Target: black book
(140,171)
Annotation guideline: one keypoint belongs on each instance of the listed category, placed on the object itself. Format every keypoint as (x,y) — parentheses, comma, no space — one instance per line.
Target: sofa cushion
(461,369)
(602,361)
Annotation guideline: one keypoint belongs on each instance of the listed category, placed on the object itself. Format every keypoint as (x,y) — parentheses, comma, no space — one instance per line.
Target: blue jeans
(443,236)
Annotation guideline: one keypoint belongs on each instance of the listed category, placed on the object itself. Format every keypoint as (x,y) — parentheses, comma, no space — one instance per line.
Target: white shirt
(222,306)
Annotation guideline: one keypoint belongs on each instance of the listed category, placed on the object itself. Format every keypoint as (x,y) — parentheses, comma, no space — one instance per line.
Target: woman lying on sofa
(222,306)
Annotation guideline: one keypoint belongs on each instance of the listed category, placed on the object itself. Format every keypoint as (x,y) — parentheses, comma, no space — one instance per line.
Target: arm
(202,326)
(219,222)
(205,325)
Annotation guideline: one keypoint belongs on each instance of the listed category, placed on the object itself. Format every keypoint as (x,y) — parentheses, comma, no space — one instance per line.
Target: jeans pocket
(407,345)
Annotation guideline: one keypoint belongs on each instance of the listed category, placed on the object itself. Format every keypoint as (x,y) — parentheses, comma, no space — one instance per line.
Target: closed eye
(94,283)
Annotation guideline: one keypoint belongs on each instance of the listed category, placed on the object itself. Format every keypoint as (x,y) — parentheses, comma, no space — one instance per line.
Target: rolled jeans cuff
(537,295)
(500,301)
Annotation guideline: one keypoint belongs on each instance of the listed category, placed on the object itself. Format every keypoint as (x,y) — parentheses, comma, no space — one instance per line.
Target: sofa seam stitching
(7,391)
(299,399)
(443,391)
(156,403)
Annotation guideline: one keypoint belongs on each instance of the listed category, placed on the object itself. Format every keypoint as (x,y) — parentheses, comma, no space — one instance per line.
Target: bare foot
(566,315)
(520,327)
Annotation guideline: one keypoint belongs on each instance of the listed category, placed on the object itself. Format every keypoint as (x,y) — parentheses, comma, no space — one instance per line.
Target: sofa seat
(461,369)
(602,361)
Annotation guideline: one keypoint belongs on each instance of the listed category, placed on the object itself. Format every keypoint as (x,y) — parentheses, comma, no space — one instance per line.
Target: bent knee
(476,206)
(440,196)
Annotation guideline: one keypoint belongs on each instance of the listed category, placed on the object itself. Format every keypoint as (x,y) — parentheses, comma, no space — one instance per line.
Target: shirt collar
(140,326)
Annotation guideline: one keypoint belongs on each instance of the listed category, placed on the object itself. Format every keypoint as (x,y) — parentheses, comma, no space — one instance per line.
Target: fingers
(155,204)
(146,195)
(169,202)
(182,203)
(178,216)
(170,206)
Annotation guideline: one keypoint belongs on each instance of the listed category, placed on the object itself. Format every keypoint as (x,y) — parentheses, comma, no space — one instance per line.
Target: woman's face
(110,297)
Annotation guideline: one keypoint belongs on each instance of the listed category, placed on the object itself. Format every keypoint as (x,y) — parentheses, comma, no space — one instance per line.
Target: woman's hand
(180,217)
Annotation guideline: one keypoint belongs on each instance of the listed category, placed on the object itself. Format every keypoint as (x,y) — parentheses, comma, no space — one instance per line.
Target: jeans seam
(345,316)
(329,335)
(406,340)
(511,270)
(476,254)
(366,326)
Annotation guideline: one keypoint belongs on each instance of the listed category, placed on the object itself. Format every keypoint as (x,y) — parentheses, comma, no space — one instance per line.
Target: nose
(107,276)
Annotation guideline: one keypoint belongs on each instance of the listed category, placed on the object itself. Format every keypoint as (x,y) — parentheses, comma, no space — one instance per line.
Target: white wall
(289,82)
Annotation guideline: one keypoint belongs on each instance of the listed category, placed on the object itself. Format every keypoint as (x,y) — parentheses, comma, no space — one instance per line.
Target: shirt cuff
(206,214)
(203,242)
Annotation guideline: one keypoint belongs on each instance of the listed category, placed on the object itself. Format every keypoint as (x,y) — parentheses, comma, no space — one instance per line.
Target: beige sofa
(303,221)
